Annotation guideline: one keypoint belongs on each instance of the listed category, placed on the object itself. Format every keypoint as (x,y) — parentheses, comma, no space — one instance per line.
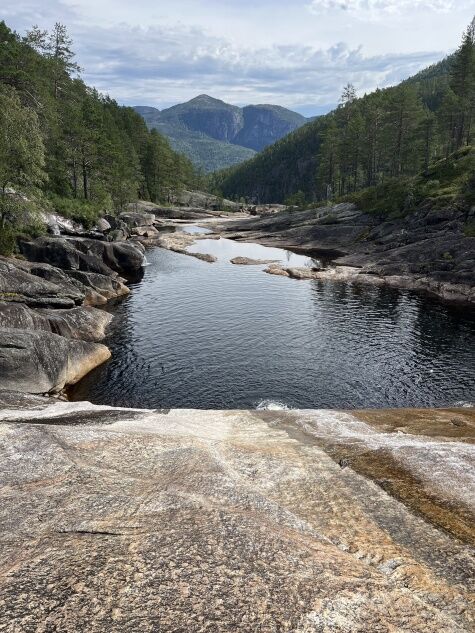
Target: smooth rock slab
(86,323)
(42,362)
(218,521)
(19,286)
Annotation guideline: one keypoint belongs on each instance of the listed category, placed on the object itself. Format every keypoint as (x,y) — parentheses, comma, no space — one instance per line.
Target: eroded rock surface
(426,250)
(117,520)
(42,362)
(86,323)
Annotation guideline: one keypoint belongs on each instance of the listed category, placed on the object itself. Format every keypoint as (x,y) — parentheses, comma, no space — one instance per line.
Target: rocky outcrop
(425,250)
(303,521)
(17,285)
(42,362)
(86,323)
(47,325)
(93,256)
(180,242)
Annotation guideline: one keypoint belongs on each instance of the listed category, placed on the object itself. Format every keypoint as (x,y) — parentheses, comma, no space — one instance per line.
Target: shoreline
(421,253)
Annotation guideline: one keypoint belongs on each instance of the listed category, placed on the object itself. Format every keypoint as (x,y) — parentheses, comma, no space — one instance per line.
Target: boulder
(85,323)
(99,288)
(42,362)
(204,257)
(103,225)
(55,276)
(276,269)
(145,231)
(63,253)
(117,235)
(85,254)
(136,219)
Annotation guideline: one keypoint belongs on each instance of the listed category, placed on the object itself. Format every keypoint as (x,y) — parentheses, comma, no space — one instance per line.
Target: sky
(294,53)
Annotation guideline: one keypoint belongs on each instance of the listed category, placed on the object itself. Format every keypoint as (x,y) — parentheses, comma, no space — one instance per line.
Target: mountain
(215,134)
(390,133)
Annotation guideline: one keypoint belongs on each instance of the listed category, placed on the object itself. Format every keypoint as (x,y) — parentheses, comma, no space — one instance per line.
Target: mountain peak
(205,127)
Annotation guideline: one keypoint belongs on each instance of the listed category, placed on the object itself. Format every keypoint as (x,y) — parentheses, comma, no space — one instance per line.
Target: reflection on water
(193,334)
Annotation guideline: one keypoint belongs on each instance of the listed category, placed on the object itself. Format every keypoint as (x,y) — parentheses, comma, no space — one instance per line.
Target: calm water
(199,335)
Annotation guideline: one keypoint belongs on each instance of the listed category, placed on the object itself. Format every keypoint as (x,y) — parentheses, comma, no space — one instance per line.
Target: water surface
(198,335)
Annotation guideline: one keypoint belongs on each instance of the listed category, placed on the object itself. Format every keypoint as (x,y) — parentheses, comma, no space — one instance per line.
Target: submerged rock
(42,362)
(205,257)
(120,520)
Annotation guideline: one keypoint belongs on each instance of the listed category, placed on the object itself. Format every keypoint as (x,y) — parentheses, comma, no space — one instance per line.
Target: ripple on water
(199,335)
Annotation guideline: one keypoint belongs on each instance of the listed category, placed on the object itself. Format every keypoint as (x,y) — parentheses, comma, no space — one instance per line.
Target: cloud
(158,65)
(381,6)
(168,63)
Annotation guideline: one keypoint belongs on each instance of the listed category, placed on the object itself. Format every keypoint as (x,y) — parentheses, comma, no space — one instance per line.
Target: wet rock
(41,362)
(277,269)
(204,257)
(248,261)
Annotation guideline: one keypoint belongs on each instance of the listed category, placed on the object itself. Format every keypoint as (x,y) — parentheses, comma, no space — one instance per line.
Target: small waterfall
(271,405)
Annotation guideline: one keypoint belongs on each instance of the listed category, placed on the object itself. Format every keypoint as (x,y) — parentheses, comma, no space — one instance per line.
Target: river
(221,336)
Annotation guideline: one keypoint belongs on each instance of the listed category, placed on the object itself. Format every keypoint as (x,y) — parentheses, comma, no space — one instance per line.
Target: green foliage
(376,143)
(85,212)
(7,240)
(296,200)
(444,182)
(85,151)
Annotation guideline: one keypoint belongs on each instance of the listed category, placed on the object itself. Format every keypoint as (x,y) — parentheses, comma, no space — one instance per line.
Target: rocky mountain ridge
(215,134)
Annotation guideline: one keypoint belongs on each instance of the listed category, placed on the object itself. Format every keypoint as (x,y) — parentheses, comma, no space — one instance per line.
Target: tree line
(365,141)
(79,149)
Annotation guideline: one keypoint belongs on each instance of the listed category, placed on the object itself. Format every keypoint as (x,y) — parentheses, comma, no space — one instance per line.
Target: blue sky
(295,53)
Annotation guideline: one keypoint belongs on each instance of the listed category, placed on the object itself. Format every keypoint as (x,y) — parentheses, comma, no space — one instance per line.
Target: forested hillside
(388,134)
(67,146)
(215,134)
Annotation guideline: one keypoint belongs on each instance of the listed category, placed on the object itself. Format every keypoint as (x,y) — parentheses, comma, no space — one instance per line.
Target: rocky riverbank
(305,521)
(50,325)
(426,251)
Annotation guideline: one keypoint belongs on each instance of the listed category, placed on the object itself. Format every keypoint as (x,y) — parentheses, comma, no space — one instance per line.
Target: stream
(222,336)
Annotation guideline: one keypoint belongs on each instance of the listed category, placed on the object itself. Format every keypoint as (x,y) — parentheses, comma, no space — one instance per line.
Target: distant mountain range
(215,134)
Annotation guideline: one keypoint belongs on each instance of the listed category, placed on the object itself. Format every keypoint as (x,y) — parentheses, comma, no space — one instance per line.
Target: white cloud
(381,6)
(158,66)
(159,52)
